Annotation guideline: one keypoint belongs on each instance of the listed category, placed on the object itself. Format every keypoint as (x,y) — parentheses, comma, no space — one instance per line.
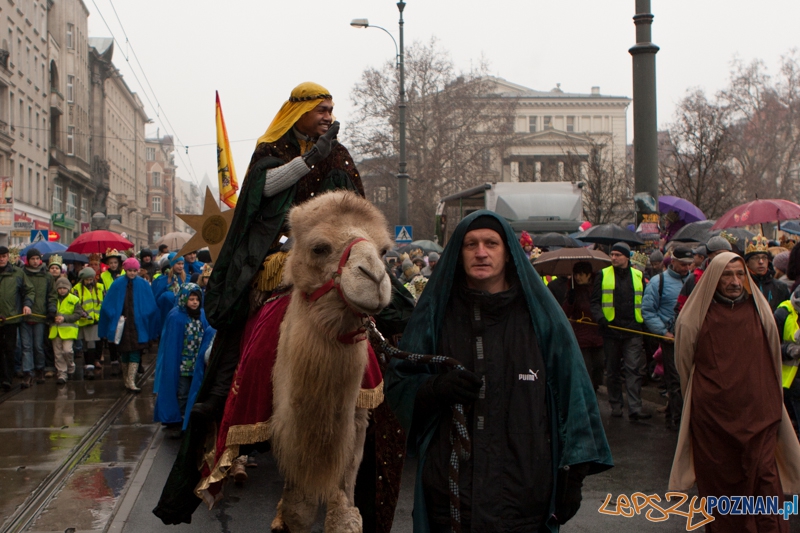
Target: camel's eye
(384,251)
(321,249)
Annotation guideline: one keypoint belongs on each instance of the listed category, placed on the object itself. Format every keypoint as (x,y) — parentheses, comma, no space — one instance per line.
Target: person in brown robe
(733,437)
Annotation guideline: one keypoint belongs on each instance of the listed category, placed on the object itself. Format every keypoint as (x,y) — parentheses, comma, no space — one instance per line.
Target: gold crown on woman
(55,259)
(639,259)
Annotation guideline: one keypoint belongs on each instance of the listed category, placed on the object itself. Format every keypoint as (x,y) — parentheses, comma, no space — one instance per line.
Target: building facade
(553,127)
(24,110)
(188,199)
(70,171)
(117,147)
(160,160)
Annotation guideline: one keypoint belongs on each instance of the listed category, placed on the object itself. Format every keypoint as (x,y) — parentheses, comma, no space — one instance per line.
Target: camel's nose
(371,275)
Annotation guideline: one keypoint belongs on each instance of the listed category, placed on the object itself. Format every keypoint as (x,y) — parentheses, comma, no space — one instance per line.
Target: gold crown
(728,237)
(55,259)
(639,259)
(536,252)
(13,255)
(207,269)
(757,245)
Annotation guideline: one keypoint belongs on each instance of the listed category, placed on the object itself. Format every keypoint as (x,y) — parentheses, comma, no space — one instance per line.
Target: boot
(26,380)
(237,471)
(40,375)
(130,377)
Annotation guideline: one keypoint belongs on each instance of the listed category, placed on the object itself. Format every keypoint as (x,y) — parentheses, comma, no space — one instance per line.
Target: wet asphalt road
(116,485)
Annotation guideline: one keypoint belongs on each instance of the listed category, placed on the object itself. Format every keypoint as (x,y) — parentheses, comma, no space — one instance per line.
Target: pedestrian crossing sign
(403,234)
(40,235)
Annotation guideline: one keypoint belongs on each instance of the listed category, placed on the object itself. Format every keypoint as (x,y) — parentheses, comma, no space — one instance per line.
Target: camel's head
(324,228)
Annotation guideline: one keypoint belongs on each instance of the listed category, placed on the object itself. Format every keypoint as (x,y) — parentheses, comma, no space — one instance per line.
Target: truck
(535,207)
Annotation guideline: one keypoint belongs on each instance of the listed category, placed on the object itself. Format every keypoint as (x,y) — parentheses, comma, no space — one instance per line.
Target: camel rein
(351,337)
(459,436)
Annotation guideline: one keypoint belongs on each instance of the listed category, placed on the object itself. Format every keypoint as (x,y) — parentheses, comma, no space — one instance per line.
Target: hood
(184,292)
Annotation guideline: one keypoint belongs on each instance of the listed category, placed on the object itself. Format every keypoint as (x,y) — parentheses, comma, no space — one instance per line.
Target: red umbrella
(758,212)
(97,242)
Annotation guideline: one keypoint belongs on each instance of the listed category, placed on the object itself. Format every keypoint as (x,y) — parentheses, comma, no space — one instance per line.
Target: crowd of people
(67,321)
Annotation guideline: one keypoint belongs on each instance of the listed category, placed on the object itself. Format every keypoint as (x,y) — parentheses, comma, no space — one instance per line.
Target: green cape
(574,415)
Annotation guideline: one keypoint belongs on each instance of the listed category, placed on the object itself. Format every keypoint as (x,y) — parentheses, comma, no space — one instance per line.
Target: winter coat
(145,311)
(774,291)
(658,305)
(16,292)
(578,305)
(45,298)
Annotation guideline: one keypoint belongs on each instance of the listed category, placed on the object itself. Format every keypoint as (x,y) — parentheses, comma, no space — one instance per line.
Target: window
(31,124)
(21,118)
(570,123)
(156,179)
(70,91)
(548,123)
(30,186)
(72,204)
(11,111)
(156,204)
(37,198)
(71,140)
(151,154)
(37,129)
(58,205)
(70,32)
(532,124)
(85,209)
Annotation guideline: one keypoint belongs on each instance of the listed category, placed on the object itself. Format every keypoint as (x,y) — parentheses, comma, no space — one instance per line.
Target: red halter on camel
(351,337)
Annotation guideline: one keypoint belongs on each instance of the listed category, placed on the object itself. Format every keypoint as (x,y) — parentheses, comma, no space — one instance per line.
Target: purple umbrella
(687,210)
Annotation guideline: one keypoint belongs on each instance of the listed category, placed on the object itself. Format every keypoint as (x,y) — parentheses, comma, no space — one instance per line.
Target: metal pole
(402,177)
(645,134)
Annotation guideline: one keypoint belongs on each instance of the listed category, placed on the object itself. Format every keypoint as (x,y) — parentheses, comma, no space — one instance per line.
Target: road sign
(403,234)
(40,235)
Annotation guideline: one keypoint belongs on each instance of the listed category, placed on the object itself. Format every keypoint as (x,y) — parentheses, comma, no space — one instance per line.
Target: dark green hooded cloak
(574,413)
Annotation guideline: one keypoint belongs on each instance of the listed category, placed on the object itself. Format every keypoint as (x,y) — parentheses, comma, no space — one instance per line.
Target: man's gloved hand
(322,148)
(603,322)
(569,500)
(793,351)
(457,386)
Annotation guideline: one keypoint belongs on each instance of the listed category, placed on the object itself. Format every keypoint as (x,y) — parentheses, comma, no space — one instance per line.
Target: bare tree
(455,129)
(608,183)
(695,155)
(765,127)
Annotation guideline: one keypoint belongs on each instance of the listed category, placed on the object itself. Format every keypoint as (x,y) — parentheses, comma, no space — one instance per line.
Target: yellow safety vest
(64,330)
(107,280)
(91,301)
(788,372)
(607,295)
(548,279)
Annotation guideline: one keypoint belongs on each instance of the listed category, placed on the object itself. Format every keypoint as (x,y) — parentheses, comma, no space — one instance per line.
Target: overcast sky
(255,51)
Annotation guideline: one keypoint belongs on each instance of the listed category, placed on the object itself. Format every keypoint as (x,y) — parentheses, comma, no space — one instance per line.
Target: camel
(317,431)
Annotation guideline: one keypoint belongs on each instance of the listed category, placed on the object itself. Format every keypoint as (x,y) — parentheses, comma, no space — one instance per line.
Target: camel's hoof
(343,520)
(278,526)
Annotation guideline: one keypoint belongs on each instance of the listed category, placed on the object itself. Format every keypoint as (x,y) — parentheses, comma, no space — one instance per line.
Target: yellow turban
(304,98)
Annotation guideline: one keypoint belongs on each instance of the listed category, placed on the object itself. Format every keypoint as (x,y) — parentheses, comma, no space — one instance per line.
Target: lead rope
(460,447)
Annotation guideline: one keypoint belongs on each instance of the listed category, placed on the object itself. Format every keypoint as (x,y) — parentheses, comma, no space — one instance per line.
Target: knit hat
(433,257)
(781,261)
(87,273)
(33,252)
(623,248)
(175,258)
(701,250)
(145,253)
(131,263)
(3,250)
(63,283)
(717,244)
(656,257)
(525,239)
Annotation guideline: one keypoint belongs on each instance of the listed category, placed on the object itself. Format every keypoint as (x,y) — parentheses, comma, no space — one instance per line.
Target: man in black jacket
(617,301)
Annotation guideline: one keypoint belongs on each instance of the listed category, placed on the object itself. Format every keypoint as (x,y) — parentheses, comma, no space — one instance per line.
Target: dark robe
(736,412)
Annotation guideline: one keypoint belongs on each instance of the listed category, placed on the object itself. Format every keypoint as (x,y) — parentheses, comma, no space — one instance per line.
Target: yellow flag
(227,174)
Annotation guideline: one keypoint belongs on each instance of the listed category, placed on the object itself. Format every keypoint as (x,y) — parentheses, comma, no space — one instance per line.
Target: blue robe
(574,413)
(145,311)
(192,268)
(166,303)
(168,364)
(199,371)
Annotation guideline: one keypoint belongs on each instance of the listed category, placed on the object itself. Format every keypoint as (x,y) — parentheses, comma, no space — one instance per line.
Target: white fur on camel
(317,433)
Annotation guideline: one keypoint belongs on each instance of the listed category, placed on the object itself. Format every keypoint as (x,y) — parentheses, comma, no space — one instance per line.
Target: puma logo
(530,376)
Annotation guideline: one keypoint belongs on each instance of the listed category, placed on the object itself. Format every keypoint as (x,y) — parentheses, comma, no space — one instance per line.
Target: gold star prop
(211,228)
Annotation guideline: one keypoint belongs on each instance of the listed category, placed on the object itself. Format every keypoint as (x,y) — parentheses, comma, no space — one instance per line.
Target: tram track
(25,515)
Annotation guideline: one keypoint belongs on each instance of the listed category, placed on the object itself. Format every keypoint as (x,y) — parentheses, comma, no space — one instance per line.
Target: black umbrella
(68,257)
(695,232)
(609,234)
(555,239)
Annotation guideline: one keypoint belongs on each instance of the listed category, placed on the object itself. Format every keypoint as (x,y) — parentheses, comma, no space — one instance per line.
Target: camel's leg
(342,515)
(295,514)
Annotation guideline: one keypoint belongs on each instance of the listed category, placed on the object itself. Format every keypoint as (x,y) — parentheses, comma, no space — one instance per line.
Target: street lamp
(402,177)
